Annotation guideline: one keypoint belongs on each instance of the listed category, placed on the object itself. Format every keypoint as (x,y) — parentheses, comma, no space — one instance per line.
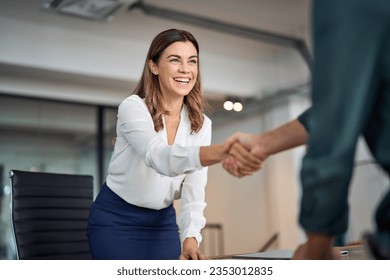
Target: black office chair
(49,215)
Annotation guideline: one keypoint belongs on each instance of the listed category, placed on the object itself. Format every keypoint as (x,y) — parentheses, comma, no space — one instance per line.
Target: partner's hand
(317,247)
(244,138)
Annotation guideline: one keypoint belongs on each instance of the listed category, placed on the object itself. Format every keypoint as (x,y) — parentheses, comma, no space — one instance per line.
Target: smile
(182,80)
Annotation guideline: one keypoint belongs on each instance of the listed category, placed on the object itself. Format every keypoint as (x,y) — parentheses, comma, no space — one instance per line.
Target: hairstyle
(149,88)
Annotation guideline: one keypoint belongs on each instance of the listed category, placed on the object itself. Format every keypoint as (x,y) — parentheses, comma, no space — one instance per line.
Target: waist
(108,198)
(155,192)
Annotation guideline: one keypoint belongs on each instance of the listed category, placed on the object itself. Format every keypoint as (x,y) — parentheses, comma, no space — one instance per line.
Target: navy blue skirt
(118,230)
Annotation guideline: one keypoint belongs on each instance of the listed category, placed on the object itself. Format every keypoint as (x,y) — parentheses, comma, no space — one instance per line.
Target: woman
(157,158)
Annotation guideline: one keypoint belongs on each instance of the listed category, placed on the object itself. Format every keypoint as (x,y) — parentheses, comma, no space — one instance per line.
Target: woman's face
(177,69)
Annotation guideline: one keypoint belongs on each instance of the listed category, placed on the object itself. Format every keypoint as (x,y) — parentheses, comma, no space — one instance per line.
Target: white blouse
(145,171)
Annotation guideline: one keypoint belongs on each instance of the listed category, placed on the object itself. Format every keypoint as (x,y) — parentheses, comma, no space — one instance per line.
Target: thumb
(259,152)
(230,141)
(246,141)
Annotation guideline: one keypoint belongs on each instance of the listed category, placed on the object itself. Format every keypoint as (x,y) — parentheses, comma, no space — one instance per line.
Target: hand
(317,247)
(245,154)
(190,250)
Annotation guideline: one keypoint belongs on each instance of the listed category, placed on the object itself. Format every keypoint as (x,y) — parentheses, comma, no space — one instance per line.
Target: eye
(193,62)
(174,60)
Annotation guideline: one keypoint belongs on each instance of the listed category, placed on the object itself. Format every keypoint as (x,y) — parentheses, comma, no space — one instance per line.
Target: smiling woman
(161,150)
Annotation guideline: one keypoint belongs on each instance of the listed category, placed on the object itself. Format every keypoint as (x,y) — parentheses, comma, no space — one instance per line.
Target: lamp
(233,103)
(237,106)
(228,105)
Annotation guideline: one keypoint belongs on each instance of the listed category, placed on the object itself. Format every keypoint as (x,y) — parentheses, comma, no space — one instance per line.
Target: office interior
(63,74)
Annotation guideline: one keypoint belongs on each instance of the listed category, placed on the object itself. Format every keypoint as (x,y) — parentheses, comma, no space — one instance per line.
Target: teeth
(182,80)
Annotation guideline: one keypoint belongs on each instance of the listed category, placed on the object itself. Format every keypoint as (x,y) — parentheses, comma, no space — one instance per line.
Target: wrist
(262,145)
(190,243)
(211,154)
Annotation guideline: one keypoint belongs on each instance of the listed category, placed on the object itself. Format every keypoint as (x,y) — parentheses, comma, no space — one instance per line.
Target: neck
(174,107)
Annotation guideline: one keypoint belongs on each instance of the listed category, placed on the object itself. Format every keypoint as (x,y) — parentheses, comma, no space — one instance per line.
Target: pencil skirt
(118,230)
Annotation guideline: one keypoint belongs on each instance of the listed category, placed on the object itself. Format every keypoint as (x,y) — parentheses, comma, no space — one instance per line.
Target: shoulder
(133,101)
(207,123)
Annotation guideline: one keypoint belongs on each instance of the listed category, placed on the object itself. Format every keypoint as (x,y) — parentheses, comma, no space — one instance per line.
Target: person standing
(161,153)
(350,98)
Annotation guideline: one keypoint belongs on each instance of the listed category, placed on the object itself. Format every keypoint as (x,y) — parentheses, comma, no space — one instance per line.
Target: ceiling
(136,28)
(288,17)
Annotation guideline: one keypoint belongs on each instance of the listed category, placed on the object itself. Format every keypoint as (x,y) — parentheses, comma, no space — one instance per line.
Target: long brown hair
(149,88)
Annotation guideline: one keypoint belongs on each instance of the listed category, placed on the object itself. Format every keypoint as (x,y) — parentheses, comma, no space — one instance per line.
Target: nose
(184,67)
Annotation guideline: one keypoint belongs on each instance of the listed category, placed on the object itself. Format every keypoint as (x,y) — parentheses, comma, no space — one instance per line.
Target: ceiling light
(228,105)
(233,103)
(237,106)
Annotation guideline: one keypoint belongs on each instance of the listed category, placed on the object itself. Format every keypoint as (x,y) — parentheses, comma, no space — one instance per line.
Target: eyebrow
(178,56)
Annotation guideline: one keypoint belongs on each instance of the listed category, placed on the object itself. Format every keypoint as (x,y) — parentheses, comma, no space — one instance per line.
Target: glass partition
(49,136)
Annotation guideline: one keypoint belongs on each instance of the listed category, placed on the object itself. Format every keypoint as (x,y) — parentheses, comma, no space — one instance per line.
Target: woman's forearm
(212,154)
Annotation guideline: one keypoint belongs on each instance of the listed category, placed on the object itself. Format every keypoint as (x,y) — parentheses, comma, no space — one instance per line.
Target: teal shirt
(350,98)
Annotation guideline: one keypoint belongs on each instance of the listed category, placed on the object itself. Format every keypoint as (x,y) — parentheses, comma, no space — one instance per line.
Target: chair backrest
(50,214)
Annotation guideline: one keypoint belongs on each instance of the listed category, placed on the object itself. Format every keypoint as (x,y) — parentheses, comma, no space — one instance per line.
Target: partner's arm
(287,136)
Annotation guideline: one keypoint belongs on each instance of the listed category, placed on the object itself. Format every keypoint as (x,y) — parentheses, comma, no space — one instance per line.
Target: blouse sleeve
(191,219)
(136,125)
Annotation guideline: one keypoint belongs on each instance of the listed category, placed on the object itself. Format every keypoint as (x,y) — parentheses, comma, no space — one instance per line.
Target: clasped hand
(245,155)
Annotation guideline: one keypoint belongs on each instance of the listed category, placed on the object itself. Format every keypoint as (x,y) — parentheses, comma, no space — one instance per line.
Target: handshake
(243,153)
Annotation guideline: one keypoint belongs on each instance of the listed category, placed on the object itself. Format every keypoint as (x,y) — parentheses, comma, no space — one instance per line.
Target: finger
(201,256)
(245,157)
(259,152)
(244,173)
(228,164)
(232,167)
(230,141)
(236,173)
(246,140)
(193,255)
(247,169)
(243,153)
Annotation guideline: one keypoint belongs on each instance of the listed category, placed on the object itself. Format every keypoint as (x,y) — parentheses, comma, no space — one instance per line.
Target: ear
(153,67)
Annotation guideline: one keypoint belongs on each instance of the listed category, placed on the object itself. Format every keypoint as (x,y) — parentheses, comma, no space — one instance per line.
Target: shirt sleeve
(304,118)
(191,219)
(136,125)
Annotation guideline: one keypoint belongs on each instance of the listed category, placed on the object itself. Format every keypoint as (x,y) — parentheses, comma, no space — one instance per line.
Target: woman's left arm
(191,219)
